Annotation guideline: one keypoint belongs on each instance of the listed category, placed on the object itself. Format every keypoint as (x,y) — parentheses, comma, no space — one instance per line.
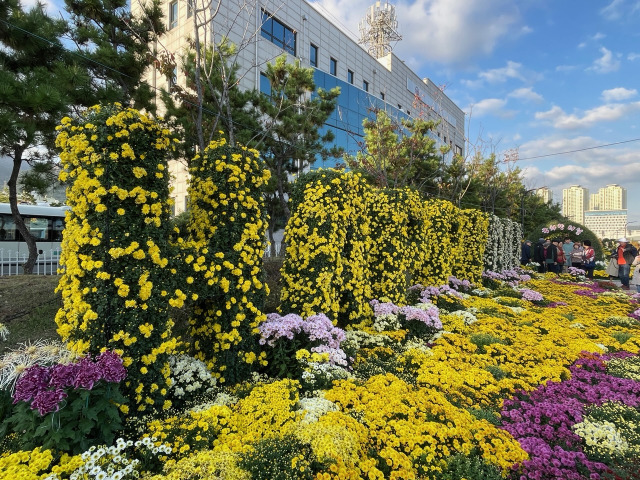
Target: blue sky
(539,76)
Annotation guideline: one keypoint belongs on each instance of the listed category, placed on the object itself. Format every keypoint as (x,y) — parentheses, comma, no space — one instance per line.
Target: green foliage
(399,153)
(621,337)
(483,340)
(486,414)
(89,417)
(280,458)
(461,467)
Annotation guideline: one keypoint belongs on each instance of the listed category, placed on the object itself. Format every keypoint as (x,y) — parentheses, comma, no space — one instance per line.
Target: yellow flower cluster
(115,243)
(224,258)
(411,428)
(348,243)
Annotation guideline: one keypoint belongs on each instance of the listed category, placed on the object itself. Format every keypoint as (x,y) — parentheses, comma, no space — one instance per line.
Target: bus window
(56,231)
(8,229)
(39,227)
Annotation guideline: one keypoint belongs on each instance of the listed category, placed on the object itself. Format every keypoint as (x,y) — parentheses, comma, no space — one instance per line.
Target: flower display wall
(349,243)
(226,279)
(326,270)
(115,250)
(503,245)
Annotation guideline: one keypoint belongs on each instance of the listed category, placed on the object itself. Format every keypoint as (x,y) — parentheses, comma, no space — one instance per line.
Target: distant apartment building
(611,197)
(575,201)
(369,79)
(545,193)
(606,223)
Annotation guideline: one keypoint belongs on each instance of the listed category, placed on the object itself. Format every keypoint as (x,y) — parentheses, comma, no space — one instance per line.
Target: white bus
(44,222)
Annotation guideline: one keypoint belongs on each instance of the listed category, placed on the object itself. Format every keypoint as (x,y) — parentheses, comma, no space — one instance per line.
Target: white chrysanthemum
(467,316)
(315,407)
(604,435)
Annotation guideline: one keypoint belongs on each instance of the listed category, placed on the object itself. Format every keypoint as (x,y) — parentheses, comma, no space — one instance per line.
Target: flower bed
(495,384)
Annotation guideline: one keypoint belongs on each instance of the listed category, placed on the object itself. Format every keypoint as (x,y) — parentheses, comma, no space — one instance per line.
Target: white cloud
(633,56)
(606,63)
(604,113)
(488,106)
(446,31)
(565,68)
(498,75)
(619,9)
(526,93)
(618,94)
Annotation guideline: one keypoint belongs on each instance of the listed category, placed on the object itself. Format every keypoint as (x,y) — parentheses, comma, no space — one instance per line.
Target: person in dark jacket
(551,256)
(525,252)
(538,255)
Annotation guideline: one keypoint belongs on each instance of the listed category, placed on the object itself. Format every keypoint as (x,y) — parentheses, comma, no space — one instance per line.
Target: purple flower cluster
(635,314)
(429,315)
(317,329)
(542,420)
(45,387)
(511,277)
(531,295)
(457,284)
(426,313)
(428,293)
(576,271)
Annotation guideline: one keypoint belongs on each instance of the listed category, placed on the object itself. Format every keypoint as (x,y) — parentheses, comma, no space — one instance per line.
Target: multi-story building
(611,197)
(606,223)
(265,29)
(575,200)
(545,193)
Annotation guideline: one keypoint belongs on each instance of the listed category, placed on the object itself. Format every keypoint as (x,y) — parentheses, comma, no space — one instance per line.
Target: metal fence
(11,262)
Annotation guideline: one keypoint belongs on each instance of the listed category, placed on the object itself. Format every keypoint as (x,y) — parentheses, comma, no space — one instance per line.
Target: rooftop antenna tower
(379,28)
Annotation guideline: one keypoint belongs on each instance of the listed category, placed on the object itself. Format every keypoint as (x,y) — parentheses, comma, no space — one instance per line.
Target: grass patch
(28,306)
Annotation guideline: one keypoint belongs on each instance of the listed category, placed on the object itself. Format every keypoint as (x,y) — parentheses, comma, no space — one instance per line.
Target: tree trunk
(17,218)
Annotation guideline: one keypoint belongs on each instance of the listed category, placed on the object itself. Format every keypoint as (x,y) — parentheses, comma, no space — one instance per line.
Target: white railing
(277,247)
(11,263)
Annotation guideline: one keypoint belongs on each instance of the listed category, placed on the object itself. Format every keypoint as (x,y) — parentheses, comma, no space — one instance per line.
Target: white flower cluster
(112,463)
(603,435)
(314,408)
(481,292)
(316,374)
(4,331)
(357,339)
(577,325)
(517,310)
(467,316)
(419,344)
(189,375)
(503,245)
(388,321)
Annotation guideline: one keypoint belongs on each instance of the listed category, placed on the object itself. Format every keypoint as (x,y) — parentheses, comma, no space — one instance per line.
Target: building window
(333,66)
(350,76)
(265,85)
(278,33)
(399,107)
(365,85)
(313,55)
(382,95)
(173,14)
(190,8)
(173,79)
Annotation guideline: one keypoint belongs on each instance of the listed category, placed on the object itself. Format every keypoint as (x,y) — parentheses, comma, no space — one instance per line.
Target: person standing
(560,258)
(538,255)
(567,248)
(589,259)
(577,255)
(525,253)
(625,255)
(635,280)
(550,256)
